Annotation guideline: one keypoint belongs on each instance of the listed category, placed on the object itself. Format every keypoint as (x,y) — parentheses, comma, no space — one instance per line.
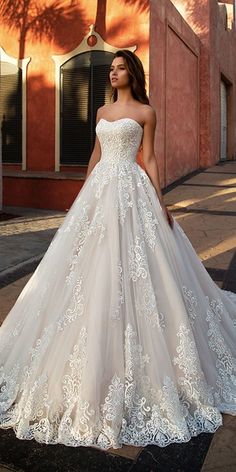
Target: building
(54,75)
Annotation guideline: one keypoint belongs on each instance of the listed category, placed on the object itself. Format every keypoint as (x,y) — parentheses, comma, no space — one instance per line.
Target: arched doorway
(84,87)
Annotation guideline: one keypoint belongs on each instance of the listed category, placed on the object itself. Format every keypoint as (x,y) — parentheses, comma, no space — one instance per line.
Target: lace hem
(134,411)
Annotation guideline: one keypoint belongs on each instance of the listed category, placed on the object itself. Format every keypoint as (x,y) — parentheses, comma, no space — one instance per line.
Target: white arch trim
(22,64)
(59,60)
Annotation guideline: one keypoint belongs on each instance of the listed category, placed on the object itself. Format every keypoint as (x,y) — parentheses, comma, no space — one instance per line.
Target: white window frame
(22,64)
(59,60)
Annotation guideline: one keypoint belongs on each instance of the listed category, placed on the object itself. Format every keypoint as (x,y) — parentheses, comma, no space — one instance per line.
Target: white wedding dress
(120,336)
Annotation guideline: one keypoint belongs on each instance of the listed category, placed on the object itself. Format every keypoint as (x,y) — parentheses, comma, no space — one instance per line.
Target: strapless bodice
(119,139)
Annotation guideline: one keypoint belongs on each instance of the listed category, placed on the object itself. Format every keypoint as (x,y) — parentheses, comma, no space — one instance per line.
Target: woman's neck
(124,96)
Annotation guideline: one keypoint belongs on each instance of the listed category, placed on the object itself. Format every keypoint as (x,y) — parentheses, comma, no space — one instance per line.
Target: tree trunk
(100,21)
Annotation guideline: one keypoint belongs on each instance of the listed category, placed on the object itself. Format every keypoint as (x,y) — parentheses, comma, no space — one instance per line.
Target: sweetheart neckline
(119,119)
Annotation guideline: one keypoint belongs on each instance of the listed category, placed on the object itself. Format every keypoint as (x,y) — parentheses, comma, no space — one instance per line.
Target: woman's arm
(149,158)
(96,154)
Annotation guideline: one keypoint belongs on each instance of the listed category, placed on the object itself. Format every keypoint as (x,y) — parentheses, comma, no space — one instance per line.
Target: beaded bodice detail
(119,139)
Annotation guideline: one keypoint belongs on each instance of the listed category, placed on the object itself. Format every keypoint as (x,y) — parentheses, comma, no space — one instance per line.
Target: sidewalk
(24,240)
(205,207)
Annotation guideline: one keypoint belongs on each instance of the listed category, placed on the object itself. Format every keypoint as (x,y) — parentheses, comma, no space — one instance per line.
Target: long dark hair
(136,74)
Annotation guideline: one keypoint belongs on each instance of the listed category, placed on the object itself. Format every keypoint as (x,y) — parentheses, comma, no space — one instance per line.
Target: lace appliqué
(83,228)
(149,224)
(124,173)
(126,395)
(9,387)
(112,413)
(78,411)
(37,400)
(49,420)
(77,308)
(145,298)
(146,306)
(37,352)
(157,416)
(136,405)
(134,411)
(193,382)
(193,387)
(121,295)
(18,382)
(125,187)
(226,363)
(137,260)
(191,302)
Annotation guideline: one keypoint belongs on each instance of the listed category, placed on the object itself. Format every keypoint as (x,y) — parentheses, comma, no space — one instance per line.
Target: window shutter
(101,91)
(84,87)
(11,113)
(75,131)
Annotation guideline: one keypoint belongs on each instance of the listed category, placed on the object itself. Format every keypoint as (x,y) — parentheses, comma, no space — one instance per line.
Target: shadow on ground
(30,456)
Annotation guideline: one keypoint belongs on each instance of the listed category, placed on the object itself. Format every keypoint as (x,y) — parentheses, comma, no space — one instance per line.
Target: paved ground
(205,206)
(24,240)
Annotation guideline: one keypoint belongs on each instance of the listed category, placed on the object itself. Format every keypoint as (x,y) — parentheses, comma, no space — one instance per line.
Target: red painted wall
(218,59)
(121,24)
(174,87)
(181,108)
(185,50)
(52,194)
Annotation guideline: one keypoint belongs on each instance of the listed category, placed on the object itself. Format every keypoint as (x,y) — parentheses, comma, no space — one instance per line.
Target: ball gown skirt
(120,335)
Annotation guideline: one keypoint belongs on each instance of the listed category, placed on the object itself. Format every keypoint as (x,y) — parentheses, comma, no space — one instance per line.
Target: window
(11,112)
(223,121)
(84,88)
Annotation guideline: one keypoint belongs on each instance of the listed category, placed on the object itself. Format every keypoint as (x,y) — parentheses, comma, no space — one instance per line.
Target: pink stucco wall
(181,108)
(217,60)
(120,24)
(174,86)
(186,51)
(222,45)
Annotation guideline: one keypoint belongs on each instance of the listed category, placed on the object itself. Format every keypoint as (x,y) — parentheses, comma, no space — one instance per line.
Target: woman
(132,101)
(120,336)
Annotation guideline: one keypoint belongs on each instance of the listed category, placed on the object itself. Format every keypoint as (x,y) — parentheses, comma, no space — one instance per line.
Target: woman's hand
(168,215)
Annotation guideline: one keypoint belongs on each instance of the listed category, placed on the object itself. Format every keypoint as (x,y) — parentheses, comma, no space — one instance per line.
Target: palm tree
(28,16)
(100,21)
(142,5)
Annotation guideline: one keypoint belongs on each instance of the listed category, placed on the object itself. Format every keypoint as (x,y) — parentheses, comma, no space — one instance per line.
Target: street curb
(14,273)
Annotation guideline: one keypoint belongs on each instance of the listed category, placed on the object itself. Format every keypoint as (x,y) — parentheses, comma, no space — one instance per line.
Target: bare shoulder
(102,110)
(149,115)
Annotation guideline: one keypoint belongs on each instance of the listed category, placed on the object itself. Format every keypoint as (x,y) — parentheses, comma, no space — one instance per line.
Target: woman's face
(119,75)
